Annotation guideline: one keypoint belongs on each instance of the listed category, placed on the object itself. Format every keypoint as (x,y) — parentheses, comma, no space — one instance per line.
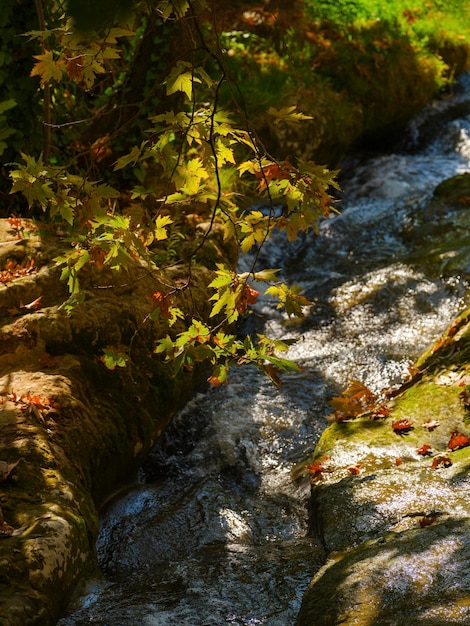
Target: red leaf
(272,171)
(398,461)
(380,411)
(427,520)
(424,450)
(316,471)
(402,426)
(163,302)
(354,470)
(441,460)
(458,440)
(35,304)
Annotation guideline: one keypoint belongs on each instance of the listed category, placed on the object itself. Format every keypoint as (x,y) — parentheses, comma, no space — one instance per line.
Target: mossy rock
(71,430)
(419,576)
(392,507)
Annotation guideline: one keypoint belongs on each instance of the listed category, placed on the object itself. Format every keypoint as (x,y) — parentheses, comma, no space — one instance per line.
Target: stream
(216,530)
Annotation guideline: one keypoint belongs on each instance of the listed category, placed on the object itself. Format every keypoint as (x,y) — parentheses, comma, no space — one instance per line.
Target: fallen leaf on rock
(458,440)
(424,450)
(354,470)
(380,411)
(316,471)
(427,520)
(441,460)
(31,306)
(317,468)
(398,461)
(431,424)
(402,426)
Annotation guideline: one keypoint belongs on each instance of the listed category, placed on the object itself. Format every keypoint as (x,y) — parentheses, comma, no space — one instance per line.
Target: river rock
(390,491)
(391,503)
(71,430)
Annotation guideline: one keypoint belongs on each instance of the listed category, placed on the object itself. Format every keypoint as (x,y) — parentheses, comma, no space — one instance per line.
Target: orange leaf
(98,255)
(35,304)
(380,411)
(354,470)
(247,296)
(353,401)
(427,520)
(398,461)
(402,426)
(162,301)
(424,450)
(441,460)
(458,440)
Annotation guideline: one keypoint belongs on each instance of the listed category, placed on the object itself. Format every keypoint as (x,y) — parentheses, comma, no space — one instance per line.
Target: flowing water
(216,530)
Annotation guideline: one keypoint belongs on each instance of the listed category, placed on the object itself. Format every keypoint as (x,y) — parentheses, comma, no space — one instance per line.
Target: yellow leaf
(160,223)
(48,69)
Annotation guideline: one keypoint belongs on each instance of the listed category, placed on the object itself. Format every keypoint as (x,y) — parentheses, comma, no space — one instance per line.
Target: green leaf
(180,79)
(133,156)
(7,104)
(112,358)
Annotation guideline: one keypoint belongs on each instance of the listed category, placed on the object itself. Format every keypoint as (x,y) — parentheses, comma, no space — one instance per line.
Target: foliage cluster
(149,145)
(121,205)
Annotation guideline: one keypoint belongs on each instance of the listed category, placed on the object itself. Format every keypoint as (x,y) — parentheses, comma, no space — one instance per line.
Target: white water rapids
(217,531)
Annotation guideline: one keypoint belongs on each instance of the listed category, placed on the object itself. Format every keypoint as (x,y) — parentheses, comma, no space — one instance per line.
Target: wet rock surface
(391,505)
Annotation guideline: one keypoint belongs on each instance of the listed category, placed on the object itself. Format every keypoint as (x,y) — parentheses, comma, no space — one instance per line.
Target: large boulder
(392,502)
(390,494)
(71,430)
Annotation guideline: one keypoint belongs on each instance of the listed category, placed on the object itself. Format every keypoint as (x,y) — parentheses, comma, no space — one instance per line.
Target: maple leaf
(354,470)
(162,302)
(430,424)
(441,460)
(273,372)
(247,296)
(5,529)
(97,255)
(316,471)
(100,148)
(31,306)
(273,171)
(402,426)
(47,68)
(353,401)
(287,114)
(424,450)
(181,78)
(219,377)
(458,440)
(380,411)
(427,520)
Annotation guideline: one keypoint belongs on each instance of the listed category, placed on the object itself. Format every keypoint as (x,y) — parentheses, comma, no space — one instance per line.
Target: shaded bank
(71,431)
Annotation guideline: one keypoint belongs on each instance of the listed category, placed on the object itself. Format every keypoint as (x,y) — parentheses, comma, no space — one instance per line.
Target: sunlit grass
(361,68)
